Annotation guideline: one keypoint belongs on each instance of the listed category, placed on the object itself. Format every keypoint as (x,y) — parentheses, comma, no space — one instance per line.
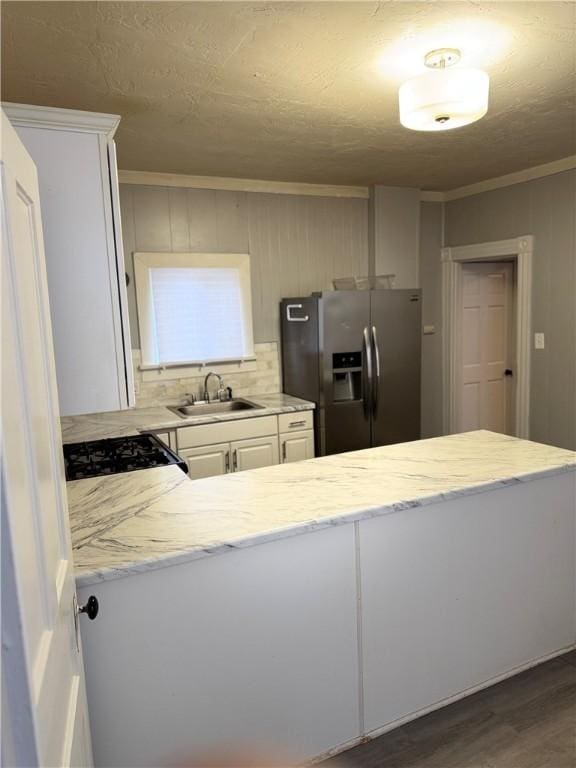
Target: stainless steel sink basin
(201,407)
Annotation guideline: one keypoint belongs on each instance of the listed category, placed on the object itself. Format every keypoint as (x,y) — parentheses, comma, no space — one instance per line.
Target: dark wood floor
(528,721)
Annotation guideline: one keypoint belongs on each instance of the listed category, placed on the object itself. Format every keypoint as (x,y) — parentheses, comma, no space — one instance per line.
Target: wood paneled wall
(394,232)
(297,244)
(431,283)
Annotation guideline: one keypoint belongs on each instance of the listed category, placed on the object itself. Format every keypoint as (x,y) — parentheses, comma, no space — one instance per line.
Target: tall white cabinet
(76,161)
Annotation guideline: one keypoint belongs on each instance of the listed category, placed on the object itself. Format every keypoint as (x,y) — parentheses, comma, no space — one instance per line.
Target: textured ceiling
(299,91)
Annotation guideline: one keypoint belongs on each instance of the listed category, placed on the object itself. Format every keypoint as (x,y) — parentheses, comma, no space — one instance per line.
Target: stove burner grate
(116,455)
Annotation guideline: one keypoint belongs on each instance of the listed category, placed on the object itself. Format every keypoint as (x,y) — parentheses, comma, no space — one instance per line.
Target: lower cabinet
(237,445)
(207,461)
(297,446)
(219,459)
(251,454)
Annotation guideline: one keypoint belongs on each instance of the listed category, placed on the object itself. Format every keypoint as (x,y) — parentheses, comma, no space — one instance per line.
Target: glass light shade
(444,99)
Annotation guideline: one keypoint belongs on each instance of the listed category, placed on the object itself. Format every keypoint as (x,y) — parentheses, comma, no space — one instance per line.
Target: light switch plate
(538,341)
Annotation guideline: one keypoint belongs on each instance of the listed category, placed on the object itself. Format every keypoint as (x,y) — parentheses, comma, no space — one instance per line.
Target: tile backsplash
(259,378)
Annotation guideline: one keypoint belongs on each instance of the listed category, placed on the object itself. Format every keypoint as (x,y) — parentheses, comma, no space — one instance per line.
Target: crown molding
(55,118)
(152,178)
(149,178)
(432,197)
(529,174)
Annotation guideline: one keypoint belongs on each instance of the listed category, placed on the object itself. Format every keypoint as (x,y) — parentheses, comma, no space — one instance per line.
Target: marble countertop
(99,426)
(139,521)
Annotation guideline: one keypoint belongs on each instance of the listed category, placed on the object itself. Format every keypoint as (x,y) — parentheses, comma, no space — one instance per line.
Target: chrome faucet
(220,387)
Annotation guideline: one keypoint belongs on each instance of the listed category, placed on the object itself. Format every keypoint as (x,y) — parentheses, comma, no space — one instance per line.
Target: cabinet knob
(91,608)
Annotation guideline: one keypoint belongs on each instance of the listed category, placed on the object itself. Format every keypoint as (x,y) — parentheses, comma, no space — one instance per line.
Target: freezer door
(344,336)
(300,353)
(395,330)
(301,356)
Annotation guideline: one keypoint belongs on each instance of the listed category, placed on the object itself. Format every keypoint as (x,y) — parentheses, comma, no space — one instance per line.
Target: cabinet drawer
(226,431)
(289,422)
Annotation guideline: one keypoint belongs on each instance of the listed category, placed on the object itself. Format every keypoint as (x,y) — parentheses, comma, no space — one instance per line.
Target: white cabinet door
(297,446)
(207,461)
(84,262)
(251,454)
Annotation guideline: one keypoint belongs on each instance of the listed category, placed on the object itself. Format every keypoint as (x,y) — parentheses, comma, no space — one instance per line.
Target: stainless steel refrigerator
(356,354)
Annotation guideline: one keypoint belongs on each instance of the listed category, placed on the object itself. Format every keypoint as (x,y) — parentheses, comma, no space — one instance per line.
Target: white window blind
(191,313)
(198,314)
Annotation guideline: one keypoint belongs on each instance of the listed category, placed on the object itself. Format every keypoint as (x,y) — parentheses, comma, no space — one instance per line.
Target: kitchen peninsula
(311,605)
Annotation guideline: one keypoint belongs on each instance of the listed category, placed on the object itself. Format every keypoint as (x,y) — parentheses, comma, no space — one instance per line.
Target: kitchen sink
(202,407)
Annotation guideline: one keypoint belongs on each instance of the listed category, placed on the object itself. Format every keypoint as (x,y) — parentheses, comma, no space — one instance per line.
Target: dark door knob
(91,608)
(508,372)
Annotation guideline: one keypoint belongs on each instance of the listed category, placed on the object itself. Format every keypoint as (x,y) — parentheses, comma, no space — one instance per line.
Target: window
(193,307)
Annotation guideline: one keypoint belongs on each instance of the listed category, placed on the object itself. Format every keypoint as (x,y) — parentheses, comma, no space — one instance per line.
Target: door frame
(518,250)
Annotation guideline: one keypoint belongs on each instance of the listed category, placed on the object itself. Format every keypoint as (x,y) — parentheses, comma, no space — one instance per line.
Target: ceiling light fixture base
(441,58)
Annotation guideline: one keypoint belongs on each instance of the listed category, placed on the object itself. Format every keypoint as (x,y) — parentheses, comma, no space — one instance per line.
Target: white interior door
(485,365)
(44,705)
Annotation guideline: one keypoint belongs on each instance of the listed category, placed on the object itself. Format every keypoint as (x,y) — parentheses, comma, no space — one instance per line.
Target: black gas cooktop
(116,455)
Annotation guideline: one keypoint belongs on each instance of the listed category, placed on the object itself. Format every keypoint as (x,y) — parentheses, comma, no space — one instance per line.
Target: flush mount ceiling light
(445,98)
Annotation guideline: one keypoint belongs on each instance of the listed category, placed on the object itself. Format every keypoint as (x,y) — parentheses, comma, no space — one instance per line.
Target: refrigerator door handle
(367,381)
(290,317)
(376,382)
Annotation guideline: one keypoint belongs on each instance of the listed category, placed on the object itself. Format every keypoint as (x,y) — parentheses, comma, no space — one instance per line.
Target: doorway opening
(485,352)
(486,336)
